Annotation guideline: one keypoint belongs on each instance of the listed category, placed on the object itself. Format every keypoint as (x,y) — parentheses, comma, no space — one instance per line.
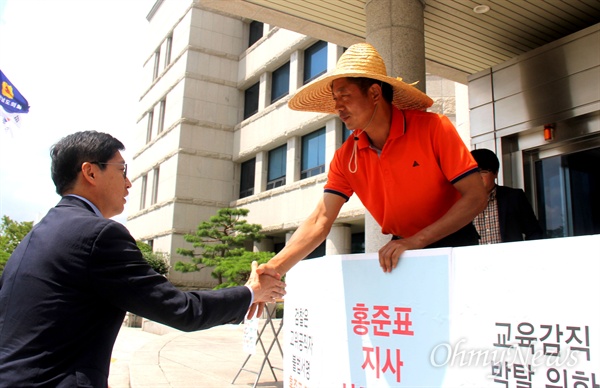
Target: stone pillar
(333,139)
(296,70)
(339,240)
(293,157)
(288,235)
(397,30)
(265,245)
(374,239)
(260,171)
(264,91)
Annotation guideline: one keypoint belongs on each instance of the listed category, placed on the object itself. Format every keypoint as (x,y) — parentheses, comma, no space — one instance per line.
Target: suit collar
(78,200)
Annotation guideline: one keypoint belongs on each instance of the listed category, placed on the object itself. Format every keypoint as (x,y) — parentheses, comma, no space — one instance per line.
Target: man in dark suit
(65,290)
(508,216)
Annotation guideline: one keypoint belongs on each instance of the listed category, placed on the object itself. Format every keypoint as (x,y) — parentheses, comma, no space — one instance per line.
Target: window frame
(249,166)
(253,35)
(310,54)
(161,115)
(247,112)
(273,182)
(307,170)
(279,78)
(156,177)
(144,190)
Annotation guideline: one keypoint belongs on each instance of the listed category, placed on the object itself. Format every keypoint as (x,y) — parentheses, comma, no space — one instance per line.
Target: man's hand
(390,253)
(267,287)
(263,271)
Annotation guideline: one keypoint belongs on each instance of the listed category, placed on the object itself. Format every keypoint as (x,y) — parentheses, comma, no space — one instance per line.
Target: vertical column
(288,235)
(265,245)
(334,52)
(264,91)
(339,240)
(292,172)
(397,30)
(296,70)
(260,172)
(374,239)
(333,139)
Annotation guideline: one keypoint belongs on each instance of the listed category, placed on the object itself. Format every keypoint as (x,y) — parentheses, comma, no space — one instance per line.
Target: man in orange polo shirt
(410,168)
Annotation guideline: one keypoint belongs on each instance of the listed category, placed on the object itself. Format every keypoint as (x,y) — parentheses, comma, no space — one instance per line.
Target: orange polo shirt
(410,184)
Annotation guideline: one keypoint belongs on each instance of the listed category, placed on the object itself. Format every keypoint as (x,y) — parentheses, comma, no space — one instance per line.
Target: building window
(161,115)
(251,100)
(318,252)
(149,128)
(143,196)
(315,61)
(345,132)
(168,44)
(155,186)
(256,32)
(156,64)
(313,154)
(280,82)
(247,178)
(277,166)
(357,243)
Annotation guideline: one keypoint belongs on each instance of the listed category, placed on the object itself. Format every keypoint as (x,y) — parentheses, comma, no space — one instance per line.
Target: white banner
(508,315)
(526,314)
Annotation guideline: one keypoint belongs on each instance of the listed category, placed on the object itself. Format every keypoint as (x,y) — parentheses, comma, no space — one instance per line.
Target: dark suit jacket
(516,216)
(64,294)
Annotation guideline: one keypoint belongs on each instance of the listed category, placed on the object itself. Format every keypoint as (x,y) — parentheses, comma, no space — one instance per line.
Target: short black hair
(70,152)
(365,83)
(486,159)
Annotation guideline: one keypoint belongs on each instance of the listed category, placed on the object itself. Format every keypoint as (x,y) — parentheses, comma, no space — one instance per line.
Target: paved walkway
(207,358)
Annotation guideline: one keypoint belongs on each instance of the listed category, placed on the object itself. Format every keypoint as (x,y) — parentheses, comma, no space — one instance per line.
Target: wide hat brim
(360,60)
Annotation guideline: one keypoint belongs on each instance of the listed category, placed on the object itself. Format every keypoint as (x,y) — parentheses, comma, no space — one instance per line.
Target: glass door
(568,192)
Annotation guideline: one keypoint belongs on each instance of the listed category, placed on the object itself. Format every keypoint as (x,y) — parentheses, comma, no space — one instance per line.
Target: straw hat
(360,60)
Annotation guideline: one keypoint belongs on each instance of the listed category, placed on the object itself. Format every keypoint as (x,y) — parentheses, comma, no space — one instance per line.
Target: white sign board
(506,315)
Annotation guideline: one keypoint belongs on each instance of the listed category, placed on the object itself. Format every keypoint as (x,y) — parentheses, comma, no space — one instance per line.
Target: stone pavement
(207,358)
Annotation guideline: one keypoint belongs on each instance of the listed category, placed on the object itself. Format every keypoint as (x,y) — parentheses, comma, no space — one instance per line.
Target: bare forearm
(472,202)
(308,237)
(459,215)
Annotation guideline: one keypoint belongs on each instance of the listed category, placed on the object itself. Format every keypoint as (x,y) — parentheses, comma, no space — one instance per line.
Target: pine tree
(222,240)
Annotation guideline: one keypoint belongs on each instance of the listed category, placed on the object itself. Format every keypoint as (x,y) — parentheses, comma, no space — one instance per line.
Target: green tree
(159,261)
(11,234)
(222,240)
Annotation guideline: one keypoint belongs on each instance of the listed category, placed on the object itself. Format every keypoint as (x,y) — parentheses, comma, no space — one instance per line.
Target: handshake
(266,288)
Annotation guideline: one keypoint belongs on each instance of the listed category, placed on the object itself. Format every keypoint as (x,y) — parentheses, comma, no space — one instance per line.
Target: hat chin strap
(354,168)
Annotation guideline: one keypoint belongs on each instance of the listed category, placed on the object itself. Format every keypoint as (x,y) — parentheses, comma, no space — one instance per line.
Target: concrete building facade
(215,131)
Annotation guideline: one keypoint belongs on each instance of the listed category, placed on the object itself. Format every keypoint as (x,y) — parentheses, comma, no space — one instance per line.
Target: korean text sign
(505,315)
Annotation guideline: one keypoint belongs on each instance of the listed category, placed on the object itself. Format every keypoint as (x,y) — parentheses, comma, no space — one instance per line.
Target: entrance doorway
(568,192)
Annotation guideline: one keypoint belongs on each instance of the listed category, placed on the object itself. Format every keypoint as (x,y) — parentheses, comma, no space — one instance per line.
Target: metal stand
(268,323)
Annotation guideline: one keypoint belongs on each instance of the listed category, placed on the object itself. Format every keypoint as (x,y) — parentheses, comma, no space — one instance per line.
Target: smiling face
(353,107)
(112,187)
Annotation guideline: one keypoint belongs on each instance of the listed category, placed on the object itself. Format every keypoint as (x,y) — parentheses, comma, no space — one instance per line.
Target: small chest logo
(415,164)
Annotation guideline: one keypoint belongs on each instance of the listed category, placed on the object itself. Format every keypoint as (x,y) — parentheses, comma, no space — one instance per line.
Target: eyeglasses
(119,164)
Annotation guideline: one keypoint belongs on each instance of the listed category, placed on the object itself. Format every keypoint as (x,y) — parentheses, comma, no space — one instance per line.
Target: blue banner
(11,100)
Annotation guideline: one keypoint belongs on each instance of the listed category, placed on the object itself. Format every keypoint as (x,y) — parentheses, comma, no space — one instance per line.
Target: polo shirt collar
(397,129)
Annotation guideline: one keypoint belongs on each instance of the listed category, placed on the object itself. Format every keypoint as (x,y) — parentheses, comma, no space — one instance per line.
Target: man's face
(113,186)
(352,106)
(489,179)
